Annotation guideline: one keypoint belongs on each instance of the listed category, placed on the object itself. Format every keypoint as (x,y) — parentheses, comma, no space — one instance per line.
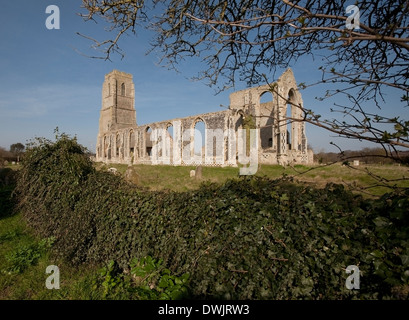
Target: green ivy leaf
(377,254)
(405,260)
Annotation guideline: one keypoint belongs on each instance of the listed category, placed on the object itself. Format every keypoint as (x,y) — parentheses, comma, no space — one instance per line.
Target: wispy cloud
(45,99)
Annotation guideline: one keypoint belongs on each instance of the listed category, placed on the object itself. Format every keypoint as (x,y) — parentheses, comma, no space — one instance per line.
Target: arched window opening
(199,140)
(290,123)
(266,97)
(105,148)
(148,142)
(266,119)
(118,145)
(169,142)
(169,133)
(123,89)
(108,147)
(159,142)
(131,144)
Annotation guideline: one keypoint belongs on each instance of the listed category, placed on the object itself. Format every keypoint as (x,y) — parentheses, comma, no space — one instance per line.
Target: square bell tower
(118,99)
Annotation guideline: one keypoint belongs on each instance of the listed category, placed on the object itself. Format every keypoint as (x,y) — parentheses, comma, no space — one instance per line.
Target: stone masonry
(280,131)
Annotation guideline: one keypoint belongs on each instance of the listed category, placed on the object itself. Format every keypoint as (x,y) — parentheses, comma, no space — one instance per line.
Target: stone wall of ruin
(281,137)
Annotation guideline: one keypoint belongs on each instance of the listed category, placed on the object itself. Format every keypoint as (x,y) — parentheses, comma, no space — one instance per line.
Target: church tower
(117,112)
(118,97)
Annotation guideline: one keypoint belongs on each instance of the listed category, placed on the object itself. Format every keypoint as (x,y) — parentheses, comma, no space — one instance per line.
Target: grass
(370,180)
(23,263)
(177,178)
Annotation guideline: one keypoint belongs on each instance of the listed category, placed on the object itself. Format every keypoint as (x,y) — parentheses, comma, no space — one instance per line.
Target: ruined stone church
(279,132)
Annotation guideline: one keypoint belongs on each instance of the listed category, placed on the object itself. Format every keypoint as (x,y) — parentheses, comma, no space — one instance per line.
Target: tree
(243,40)
(17,149)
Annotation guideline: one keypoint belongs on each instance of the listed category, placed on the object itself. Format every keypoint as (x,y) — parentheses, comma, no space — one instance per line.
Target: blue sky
(46,83)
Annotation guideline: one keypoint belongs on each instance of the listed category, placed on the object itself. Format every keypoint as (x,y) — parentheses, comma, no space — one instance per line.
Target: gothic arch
(147,141)
(266,121)
(198,149)
(119,145)
(170,139)
(292,125)
(132,144)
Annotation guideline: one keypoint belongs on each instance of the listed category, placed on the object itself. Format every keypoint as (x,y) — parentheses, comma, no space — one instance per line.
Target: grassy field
(177,178)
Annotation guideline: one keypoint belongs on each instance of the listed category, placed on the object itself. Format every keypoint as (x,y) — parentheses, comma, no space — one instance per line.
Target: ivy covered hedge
(250,238)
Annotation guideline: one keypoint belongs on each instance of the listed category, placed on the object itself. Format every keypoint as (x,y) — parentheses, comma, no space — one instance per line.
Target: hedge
(249,238)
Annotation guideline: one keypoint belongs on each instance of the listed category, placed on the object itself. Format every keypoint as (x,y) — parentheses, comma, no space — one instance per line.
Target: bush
(7,177)
(250,238)
(7,184)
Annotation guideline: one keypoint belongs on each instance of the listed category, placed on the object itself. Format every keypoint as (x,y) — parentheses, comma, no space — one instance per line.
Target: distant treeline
(14,154)
(366,156)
